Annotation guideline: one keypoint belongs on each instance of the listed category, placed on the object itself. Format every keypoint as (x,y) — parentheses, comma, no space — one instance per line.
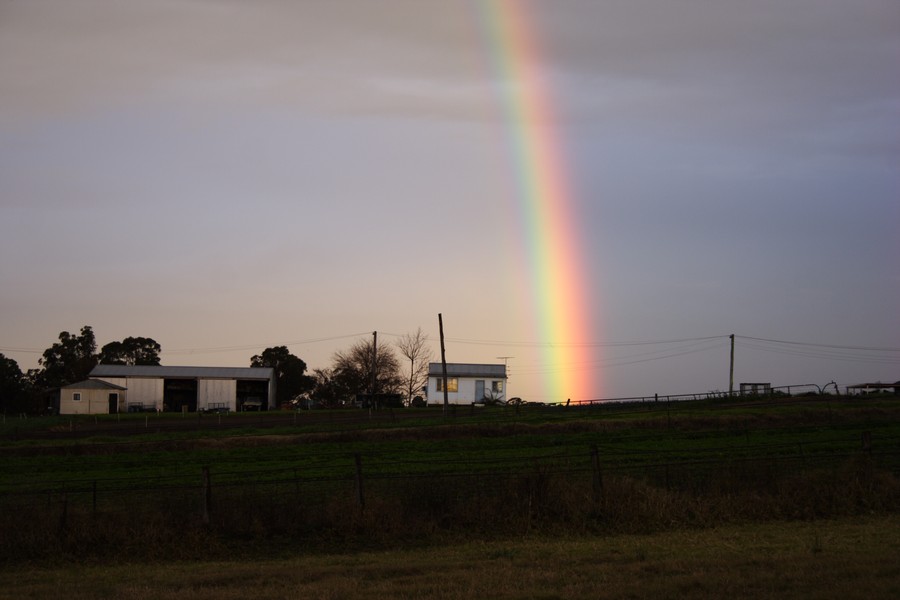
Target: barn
(189,389)
(467,383)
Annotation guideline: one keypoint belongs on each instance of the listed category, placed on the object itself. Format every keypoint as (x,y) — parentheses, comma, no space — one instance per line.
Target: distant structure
(756,389)
(868,388)
(124,388)
(90,397)
(467,383)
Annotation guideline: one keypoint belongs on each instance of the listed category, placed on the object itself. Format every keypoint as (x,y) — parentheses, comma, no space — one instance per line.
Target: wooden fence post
(359,483)
(64,513)
(597,473)
(867,442)
(207,496)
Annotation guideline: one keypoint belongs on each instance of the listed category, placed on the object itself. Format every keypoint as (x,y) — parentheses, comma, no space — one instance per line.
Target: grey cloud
(96,53)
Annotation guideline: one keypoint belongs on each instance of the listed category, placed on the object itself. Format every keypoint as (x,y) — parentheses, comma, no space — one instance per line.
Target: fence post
(867,442)
(597,473)
(359,483)
(207,495)
(64,513)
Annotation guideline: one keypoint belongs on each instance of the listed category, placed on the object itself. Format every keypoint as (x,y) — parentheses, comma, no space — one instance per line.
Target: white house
(466,383)
(190,388)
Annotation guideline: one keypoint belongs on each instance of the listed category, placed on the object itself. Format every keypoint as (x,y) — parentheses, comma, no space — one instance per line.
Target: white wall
(149,391)
(216,390)
(143,391)
(93,402)
(465,393)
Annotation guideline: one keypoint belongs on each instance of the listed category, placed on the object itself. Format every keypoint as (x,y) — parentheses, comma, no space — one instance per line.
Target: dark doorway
(178,394)
(252,395)
(113,403)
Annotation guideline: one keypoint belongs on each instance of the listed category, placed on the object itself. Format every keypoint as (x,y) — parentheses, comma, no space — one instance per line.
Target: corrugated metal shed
(468,370)
(261,373)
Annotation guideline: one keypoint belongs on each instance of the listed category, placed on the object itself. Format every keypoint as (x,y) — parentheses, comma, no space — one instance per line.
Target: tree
(290,372)
(12,386)
(331,388)
(131,351)
(70,360)
(414,347)
(354,367)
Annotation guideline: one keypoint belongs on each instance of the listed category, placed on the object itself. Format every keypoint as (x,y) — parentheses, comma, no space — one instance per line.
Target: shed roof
(878,385)
(156,371)
(93,384)
(468,370)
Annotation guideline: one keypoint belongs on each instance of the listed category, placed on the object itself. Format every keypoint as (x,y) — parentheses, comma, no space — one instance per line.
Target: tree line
(366,369)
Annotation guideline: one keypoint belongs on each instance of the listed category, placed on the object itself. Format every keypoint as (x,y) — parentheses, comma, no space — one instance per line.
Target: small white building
(91,397)
(190,389)
(467,383)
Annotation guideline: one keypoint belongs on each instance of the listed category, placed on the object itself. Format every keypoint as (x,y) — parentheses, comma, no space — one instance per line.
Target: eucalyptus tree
(69,360)
(290,372)
(131,351)
(12,385)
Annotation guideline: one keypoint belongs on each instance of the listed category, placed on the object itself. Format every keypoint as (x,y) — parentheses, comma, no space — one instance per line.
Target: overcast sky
(224,176)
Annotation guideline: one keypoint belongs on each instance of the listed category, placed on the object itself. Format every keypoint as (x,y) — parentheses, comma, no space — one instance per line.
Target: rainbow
(557,272)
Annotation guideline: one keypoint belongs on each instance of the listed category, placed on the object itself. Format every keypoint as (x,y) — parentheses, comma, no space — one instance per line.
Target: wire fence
(202,490)
(376,499)
(182,494)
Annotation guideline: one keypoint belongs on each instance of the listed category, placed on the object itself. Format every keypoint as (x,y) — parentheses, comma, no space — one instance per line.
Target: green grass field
(763,498)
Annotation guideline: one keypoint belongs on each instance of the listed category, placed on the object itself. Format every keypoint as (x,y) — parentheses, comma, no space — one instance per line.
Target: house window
(76,396)
(497,387)
(452,384)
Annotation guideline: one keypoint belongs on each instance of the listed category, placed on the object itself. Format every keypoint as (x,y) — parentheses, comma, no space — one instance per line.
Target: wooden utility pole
(374,369)
(443,361)
(731,369)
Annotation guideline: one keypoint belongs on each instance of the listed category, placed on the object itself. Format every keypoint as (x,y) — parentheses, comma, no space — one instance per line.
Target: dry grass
(851,558)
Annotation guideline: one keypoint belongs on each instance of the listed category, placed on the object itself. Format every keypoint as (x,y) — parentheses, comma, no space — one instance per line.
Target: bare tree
(414,346)
(354,369)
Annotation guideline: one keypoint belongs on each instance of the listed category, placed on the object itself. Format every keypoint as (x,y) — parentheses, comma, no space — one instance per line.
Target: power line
(824,353)
(215,349)
(556,344)
(833,346)
(28,350)
(641,357)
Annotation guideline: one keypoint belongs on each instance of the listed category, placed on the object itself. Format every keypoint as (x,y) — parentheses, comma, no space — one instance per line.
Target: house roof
(93,384)
(467,370)
(155,371)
